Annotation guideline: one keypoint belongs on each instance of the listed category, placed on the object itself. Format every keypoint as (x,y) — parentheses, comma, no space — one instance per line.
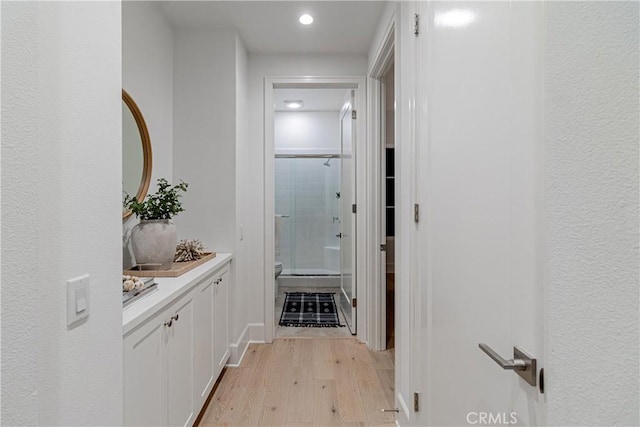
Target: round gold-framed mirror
(136,152)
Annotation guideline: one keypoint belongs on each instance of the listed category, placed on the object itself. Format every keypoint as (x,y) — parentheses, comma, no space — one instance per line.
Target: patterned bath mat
(311,309)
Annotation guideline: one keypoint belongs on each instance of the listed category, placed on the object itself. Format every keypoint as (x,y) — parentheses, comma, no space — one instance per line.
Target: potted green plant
(153,239)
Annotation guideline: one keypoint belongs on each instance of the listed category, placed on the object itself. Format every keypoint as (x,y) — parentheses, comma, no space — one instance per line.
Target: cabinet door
(180,363)
(203,372)
(144,375)
(221,323)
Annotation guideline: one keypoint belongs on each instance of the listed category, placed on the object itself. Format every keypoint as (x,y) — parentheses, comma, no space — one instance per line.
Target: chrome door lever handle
(522,363)
(511,364)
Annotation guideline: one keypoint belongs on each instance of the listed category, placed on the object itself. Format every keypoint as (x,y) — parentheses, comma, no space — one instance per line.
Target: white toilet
(278,268)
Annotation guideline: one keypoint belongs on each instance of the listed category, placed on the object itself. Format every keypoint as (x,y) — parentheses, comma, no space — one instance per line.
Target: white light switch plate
(77,299)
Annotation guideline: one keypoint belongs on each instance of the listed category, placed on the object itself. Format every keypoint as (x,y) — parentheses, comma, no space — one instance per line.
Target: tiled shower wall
(306,190)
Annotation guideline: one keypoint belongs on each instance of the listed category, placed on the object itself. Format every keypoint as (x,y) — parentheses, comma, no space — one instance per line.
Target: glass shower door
(307,216)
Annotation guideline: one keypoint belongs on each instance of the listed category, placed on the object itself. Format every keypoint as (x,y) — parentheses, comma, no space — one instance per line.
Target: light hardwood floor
(306,382)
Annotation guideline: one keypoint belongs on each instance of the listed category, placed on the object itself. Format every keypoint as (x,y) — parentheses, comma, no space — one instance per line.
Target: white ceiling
(312,99)
(343,27)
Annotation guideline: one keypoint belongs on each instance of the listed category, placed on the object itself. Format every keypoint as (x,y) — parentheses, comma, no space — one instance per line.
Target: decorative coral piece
(189,250)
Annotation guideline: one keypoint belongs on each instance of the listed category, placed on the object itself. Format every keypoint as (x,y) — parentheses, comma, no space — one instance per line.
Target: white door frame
(361,150)
(378,298)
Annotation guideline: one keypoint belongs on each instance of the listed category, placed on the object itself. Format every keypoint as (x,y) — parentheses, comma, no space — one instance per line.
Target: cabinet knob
(169,323)
(176,317)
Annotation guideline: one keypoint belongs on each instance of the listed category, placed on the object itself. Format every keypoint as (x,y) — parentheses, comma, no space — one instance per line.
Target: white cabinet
(204,376)
(221,323)
(158,368)
(211,332)
(175,348)
(145,393)
(179,345)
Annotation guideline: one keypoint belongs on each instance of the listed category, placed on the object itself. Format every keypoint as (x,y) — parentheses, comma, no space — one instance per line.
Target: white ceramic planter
(154,242)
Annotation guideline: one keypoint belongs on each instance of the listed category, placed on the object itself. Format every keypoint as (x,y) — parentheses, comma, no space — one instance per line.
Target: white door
(203,327)
(145,391)
(180,363)
(478,145)
(347,218)
(221,322)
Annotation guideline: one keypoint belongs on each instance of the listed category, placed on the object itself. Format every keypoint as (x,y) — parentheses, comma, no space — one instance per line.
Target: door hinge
(354,208)
(383,248)
(354,302)
(416,213)
(354,114)
(416,402)
(416,24)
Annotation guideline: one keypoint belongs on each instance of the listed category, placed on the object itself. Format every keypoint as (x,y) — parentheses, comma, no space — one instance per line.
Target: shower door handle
(339,235)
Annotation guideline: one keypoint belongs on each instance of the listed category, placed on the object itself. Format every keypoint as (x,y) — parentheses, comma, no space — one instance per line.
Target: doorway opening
(311,129)
(309,188)
(384,185)
(388,202)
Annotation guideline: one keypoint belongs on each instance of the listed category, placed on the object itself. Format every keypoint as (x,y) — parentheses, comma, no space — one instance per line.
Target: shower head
(327,162)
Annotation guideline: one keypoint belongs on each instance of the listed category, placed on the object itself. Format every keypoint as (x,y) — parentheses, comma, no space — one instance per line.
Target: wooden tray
(177,268)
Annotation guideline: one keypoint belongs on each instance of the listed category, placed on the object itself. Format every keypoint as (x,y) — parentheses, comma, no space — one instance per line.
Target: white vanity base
(176,343)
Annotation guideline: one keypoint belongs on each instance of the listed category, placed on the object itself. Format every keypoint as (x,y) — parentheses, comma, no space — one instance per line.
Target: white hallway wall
(302,132)
(210,127)
(204,149)
(147,75)
(237,298)
(591,145)
(251,171)
(61,210)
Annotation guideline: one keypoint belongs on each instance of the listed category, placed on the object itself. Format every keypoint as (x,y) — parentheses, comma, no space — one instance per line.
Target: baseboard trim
(252,333)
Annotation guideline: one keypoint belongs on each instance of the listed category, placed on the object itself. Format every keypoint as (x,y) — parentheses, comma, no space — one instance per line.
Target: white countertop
(169,288)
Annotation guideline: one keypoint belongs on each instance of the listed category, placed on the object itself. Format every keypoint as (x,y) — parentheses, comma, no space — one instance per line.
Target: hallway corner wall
(204,134)
(239,318)
(61,211)
(209,152)
(592,185)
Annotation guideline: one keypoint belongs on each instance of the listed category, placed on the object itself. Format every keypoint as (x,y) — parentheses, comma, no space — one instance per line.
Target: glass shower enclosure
(307,207)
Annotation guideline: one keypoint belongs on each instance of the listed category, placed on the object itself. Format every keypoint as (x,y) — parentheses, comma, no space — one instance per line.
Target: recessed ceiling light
(294,105)
(306,19)
(455,18)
